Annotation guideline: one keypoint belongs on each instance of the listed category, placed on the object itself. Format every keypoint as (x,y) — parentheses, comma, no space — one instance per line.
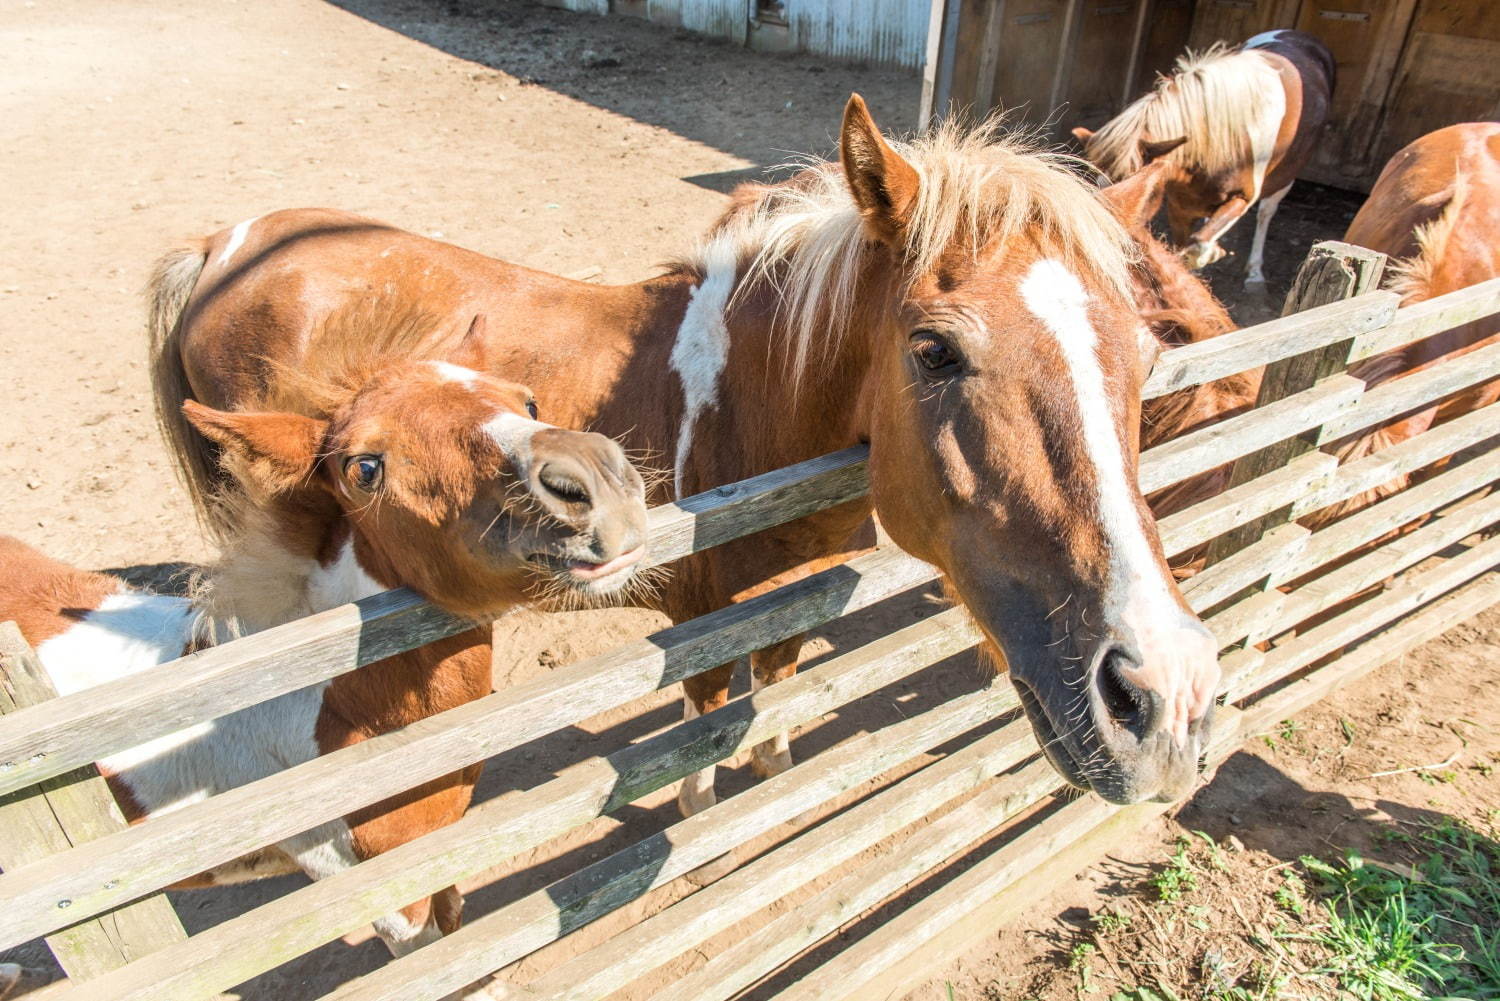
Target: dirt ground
(563,142)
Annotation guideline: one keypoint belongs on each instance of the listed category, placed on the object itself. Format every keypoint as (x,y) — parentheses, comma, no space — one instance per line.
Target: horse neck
(299,557)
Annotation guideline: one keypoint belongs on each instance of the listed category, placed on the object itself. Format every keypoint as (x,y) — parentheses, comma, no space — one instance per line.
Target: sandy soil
(559,141)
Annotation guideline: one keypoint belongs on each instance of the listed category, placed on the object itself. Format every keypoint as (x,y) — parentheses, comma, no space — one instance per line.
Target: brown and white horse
(1251,118)
(1435,211)
(428,474)
(960,303)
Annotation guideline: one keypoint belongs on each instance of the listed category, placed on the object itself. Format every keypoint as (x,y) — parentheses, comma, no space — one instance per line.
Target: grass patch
(1217,927)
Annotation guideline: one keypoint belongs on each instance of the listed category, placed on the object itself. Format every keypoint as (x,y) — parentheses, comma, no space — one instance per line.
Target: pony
(396,467)
(1250,118)
(1435,211)
(960,303)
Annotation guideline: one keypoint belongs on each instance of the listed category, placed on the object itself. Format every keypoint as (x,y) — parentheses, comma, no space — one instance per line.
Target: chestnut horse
(960,303)
(425,474)
(1251,118)
(1435,211)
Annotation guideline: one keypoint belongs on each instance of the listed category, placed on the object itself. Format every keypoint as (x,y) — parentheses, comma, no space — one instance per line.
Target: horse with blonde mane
(1248,120)
(961,303)
(1435,212)
(375,465)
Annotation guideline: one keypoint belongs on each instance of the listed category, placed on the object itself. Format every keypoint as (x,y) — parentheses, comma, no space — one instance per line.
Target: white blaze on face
(512,433)
(702,346)
(1057,298)
(236,240)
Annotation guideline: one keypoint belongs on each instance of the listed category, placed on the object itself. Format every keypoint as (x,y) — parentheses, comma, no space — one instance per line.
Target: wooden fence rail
(1263,581)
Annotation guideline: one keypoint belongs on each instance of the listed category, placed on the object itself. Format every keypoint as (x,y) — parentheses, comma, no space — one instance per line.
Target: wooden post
(989,58)
(64,811)
(1331,272)
(1143,13)
(937,68)
(1067,48)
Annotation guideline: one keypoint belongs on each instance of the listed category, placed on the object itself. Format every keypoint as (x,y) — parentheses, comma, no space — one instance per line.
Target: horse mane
(805,238)
(1213,98)
(1412,278)
(348,348)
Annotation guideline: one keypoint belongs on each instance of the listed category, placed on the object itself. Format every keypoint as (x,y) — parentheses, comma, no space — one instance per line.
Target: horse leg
(768,666)
(1263,213)
(702,693)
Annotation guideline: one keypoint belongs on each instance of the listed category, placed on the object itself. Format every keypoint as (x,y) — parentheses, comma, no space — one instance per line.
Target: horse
(389,470)
(1251,118)
(960,303)
(1435,212)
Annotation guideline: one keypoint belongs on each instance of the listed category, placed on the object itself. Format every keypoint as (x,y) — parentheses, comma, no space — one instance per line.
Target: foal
(1251,118)
(427,474)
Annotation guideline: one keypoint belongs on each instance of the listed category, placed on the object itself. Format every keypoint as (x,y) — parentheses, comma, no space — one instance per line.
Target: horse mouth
(588,577)
(1051,742)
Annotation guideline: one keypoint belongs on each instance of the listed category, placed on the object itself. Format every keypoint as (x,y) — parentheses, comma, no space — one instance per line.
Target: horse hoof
(768,762)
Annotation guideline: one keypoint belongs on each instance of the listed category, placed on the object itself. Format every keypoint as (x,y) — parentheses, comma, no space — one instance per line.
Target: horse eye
(364,470)
(531,408)
(934,353)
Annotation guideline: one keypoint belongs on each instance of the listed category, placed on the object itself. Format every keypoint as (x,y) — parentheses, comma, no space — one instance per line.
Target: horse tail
(197,462)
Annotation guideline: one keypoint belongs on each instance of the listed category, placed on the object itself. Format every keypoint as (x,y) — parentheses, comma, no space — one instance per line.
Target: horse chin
(567,580)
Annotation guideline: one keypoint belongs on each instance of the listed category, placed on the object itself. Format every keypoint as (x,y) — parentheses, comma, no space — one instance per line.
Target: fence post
(61,812)
(1331,272)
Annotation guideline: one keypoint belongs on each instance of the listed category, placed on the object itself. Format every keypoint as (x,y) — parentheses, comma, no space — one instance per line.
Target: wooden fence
(74,873)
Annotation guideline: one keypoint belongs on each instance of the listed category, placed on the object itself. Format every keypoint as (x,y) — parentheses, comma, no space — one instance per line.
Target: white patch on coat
(455,373)
(696,793)
(702,346)
(340,582)
(1176,649)
(512,433)
(1263,39)
(236,240)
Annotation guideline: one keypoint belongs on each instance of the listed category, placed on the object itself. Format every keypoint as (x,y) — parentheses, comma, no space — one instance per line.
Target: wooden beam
(131,863)
(989,57)
(64,811)
(1143,12)
(1062,74)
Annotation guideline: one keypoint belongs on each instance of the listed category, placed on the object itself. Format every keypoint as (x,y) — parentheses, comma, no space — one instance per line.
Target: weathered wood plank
(763,950)
(1423,319)
(1265,343)
(64,811)
(494,940)
(1393,640)
(1248,433)
(1414,392)
(45,740)
(1067,44)
(1332,272)
(1337,585)
(1385,465)
(934,930)
(1255,564)
(1237,505)
(1412,590)
(1391,513)
(128,864)
(250,944)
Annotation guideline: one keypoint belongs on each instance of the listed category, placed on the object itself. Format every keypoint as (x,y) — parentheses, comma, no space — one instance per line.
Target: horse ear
(276,452)
(1137,199)
(1083,135)
(473,351)
(883,184)
(1155,149)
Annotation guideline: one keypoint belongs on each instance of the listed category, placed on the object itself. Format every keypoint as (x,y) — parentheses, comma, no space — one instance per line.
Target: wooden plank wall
(1406,67)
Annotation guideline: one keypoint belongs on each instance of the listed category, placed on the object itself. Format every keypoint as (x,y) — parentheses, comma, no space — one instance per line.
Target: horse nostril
(563,485)
(1130,707)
